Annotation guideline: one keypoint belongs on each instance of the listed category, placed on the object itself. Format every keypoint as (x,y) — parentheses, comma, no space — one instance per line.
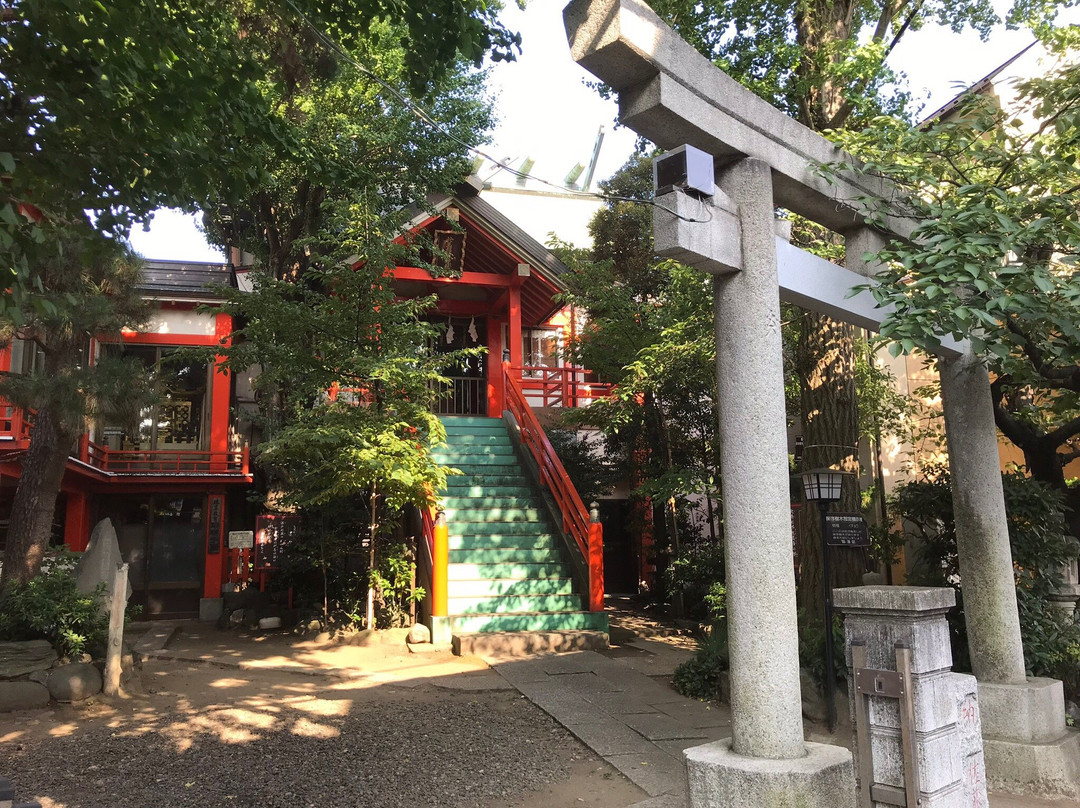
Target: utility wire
(425,116)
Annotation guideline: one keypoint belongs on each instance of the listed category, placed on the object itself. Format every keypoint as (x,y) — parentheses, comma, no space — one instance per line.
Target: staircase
(506,570)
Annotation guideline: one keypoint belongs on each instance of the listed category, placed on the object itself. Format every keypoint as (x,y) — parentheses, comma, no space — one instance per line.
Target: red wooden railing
(15,423)
(577,523)
(164,461)
(560,387)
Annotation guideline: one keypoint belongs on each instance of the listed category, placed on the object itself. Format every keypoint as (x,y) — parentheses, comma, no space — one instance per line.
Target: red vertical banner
(214,568)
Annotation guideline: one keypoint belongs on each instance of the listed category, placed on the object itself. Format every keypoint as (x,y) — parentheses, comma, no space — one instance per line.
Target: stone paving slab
(695,714)
(655,773)
(619,704)
(663,801)
(610,738)
(660,727)
(618,712)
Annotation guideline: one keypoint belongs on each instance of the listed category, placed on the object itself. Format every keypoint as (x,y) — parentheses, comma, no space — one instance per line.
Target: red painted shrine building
(166,480)
(177,481)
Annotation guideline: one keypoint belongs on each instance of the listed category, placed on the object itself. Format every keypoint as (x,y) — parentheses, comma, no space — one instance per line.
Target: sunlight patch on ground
(63,730)
(322,707)
(229,682)
(310,729)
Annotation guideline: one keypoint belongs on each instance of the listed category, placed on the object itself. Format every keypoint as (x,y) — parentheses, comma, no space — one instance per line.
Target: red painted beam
(467,278)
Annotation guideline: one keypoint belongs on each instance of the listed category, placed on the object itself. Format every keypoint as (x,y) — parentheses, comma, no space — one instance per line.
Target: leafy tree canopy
(994,256)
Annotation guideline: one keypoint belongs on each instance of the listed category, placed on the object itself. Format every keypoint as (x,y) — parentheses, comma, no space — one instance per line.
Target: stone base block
(509,644)
(1049,769)
(210,609)
(1033,712)
(441,630)
(824,778)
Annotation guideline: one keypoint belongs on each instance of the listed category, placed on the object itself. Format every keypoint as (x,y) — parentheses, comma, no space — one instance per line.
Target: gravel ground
(203,737)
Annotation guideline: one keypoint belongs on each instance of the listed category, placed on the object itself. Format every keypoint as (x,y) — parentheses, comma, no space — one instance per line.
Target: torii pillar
(673,95)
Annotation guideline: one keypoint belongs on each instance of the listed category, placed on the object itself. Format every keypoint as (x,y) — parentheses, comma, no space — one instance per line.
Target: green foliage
(50,607)
(650,333)
(826,64)
(592,474)
(393,584)
(993,256)
(1040,545)
(699,676)
(812,648)
(698,572)
(85,285)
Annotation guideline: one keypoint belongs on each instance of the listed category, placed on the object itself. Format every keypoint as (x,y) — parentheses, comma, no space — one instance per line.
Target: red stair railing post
(596,559)
(440,559)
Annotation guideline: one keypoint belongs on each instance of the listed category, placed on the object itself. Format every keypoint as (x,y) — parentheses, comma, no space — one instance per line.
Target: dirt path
(202,735)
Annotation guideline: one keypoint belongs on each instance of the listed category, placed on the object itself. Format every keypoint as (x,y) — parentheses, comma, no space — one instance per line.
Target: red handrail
(576,520)
(560,386)
(165,461)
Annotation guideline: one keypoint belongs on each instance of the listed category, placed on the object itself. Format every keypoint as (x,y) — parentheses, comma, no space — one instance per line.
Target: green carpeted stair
(506,570)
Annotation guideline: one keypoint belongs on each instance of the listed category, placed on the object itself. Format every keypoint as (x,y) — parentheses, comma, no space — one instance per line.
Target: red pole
(440,558)
(596,559)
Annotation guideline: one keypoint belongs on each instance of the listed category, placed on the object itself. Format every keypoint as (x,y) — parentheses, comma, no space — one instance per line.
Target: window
(541,348)
(178,420)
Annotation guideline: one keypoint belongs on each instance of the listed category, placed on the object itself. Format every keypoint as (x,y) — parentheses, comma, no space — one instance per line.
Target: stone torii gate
(672,95)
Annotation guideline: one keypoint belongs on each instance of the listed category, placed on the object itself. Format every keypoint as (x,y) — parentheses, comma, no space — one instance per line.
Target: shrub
(698,570)
(50,607)
(812,649)
(699,676)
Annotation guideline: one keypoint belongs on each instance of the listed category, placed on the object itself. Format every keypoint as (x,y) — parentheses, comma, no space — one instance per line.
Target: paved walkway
(640,725)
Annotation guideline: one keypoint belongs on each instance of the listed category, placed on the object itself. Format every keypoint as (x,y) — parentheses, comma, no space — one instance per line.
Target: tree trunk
(35,498)
(1044,464)
(825,362)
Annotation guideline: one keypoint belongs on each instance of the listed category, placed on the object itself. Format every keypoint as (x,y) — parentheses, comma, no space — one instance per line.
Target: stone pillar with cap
(929,740)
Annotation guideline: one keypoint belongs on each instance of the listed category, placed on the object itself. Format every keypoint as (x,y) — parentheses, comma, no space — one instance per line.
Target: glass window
(177,421)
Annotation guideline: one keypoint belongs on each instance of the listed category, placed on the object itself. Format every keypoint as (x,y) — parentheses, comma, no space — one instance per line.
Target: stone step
(466,572)
(487,437)
(521,501)
(510,604)
(457,452)
(488,515)
(476,461)
(525,643)
(475,427)
(498,528)
(469,491)
(529,621)
(507,555)
(484,476)
(493,587)
(490,541)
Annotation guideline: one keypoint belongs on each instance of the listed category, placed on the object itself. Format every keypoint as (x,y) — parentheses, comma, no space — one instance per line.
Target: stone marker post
(928,739)
(116,632)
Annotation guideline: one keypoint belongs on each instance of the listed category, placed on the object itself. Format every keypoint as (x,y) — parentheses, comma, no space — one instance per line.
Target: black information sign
(846,530)
(213,540)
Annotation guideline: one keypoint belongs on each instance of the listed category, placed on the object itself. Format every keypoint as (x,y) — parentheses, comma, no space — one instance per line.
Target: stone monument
(98,563)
